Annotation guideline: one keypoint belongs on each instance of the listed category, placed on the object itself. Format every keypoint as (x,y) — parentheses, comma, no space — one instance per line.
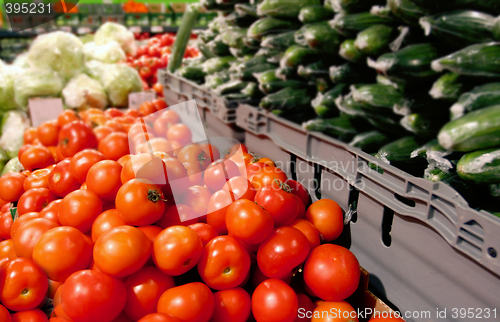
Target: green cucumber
(349,106)
(354,5)
(233,86)
(324,104)
(449,87)
(411,64)
(319,36)
(350,24)
(349,52)
(250,42)
(370,141)
(205,51)
(476,60)
(422,126)
(252,90)
(242,52)
(218,47)
(496,29)
(239,19)
(378,98)
(313,71)
(194,73)
(251,62)
(436,5)
(215,80)
(479,97)
(459,28)
(400,86)
(217,64)
(480,166)
(183,34)
(288,99)
(432,145)
(398,154)
(267,76)
(323,84)
(279,41)
(375,40)
(236,97)
(341,127)
(474,131)
(206,35)
(435,174)
(314,13)
(351,73)
(287,73)
(270,25)
(233,37)
(247,9)
(248,73)
(407,11)
(298,55)
(277,85)
(283,8)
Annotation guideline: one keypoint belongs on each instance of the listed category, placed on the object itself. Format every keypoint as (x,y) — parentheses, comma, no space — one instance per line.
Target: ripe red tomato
(7,250)
(36,157)
(61,181)
(174,214)
(284,250)
(76,136)
(21,221)
(27,236)
(103,179)
(62,251)
(158,88)
(218,172)
(164,121)
(192,153)
(37,179)
(144,289)
(268,176)
(5,225)
(51,212)
(224,263)
(197,198)
(248,222)
(47,133)
(121,251)
(79,209)
(299,190)
(274,301)
(191,302)
(82,162)
(114,146)
(240,187)
(11,186)
(206,232)
(159,104)
(305,306)
(140,204)
(4,314)
(53,287)
(326,215)
(34,200)
(328,265)
(66,117)
(180,133)
(90,296)
(30,135)
(232,305)
(102,131)
(35,315)
(252,168)
(106,221)
(217,209)
(23,285)
(282,205)
(159,317)
(309,231)
(334,312)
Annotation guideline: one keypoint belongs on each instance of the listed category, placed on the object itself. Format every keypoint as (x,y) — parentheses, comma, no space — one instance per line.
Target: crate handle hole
(492,252)
(387,220)
(406,201)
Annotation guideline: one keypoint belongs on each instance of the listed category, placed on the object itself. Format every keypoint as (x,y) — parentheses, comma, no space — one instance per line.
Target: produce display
(409,81)
(97,240)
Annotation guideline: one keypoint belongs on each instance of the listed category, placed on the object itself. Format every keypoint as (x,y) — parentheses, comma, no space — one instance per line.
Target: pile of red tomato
(97,243)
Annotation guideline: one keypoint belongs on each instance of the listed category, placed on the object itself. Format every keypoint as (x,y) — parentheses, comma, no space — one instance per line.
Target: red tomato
(232,305)
(218,172)
(66,117)
(51,212)
(326,215)
(35,315)
(53,287)
(36,157)
(11,186)
(194,153)
(144,289)
(299,190)
(76,136)
(5,225)
(191,302)
(62,251)
(282,205)
(114,146)
(248,222)
(240,187)
(159,317)
(206,232)
(113,112)
(6,250)
(328,265)
(82,162)
(274,301)
(197,198)
(23,285)
(180,133)
(37,179)
(334,312)
(284,250)
(4,314)
(79,209)
(217,209)
(106,221)
(102,131)
(159,104)
(140,204)
(21,221)
(309,231)
(30,135)
(158,88)
(306,307)
(27,236)
(34,200)
(164,121)
(47,133)
(176,215)
(268,176)
(61,181)
(121,251)
(253,168)
(224,263)
(103,179)
(176,250)
(90,296)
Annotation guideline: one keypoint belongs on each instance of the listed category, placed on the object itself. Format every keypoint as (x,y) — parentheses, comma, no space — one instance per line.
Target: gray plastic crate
(424,247)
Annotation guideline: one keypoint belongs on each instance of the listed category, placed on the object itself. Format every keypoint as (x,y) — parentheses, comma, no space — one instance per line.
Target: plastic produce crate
(219,116)
(425,248)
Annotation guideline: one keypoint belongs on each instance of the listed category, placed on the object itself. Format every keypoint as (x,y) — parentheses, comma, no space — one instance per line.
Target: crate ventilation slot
(387,220)
(406,201)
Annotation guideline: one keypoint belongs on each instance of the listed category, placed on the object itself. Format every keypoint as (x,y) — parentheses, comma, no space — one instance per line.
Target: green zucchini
(315,13)
(218,47)
(298,55)
(479,97)
(341,127)
(350,25)
(283,8)
(247,9)
(370,141)
(233,86)
(378,98)
(270,25)
(459,28)
(248,73)
(407,11)
(319,36)
(217,64)
(449,87)
(375,40)
(421,125)
(349,52)
(411,64)
(324,104)
(398,154)
(480,166)
(288,99)
(277,85)
(279,41)
(474,131)
(183,34)
(476,60)
(351,73)
(354,5)
(233,36)
(194,73)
